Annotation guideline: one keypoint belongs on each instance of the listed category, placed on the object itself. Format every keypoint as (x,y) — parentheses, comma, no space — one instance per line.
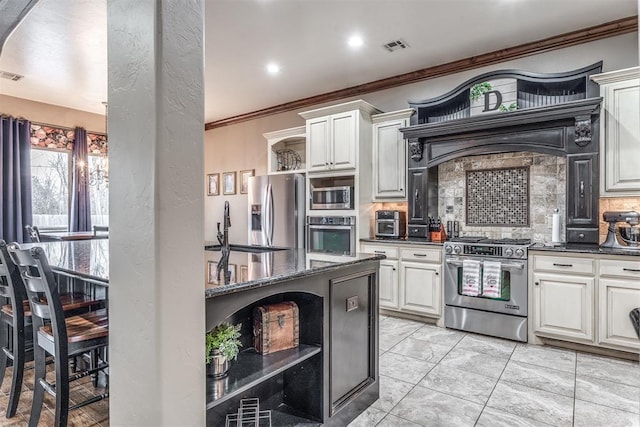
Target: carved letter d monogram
(486,101)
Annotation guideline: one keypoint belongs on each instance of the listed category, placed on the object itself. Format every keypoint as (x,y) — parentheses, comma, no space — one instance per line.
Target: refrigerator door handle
(268,206)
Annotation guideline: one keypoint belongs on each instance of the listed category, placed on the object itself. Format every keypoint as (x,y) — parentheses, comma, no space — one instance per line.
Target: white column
(156,143)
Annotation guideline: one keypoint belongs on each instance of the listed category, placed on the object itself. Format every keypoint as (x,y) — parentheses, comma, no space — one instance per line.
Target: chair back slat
(33,232)
(40,309)
(41,288)
(33,283)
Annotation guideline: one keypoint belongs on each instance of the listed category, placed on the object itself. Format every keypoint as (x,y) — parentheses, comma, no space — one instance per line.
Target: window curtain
(80,215)
(15,178)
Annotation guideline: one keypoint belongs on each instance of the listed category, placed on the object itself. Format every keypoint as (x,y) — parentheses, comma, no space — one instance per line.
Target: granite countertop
(585,249)
(86,259)
(401,241)
(257,269)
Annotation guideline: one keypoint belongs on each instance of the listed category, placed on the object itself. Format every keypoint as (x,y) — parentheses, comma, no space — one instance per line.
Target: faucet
(223,238)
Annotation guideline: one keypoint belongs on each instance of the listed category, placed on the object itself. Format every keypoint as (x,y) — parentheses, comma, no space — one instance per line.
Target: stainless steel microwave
(331,198)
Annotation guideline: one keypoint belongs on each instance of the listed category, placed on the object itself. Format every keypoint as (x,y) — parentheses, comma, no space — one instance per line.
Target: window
(99,189)
(50,181)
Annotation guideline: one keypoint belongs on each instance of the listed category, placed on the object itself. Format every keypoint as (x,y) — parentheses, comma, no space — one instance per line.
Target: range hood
(513,111)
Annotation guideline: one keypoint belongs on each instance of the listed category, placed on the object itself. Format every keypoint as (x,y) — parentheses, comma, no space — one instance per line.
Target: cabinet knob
(402,189)
(437,274)
(537,283)
(393,269)
(581,235)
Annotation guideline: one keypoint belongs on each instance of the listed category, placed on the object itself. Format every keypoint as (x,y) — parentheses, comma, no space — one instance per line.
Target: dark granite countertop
(401,241)
(86,259)
(257,269)
(585,249)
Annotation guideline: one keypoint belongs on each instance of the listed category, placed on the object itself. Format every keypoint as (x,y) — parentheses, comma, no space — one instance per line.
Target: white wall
(242,146)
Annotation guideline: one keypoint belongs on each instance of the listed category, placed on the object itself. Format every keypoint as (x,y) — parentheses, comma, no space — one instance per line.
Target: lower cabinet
(618,294)
(410,277)
(389,284)
(563,306)
(585,299)
(421,290)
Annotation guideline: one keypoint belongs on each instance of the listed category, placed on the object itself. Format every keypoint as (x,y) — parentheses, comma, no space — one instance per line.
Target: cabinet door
(318,144)
(417,196)
(621,149)
(388,287)
(352,330)
(563,306)
(343,146)
(582,190)
(389,160)
(617,298)
(420,288)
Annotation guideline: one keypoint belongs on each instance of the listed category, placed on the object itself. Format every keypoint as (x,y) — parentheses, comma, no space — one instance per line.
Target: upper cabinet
(287,151)
(389,155)
(334,135)
(620,132)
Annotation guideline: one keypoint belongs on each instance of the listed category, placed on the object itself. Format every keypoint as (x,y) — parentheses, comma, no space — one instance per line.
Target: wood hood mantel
(511,111)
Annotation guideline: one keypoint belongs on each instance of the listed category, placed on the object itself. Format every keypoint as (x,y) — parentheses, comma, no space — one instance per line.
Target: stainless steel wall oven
(335,235)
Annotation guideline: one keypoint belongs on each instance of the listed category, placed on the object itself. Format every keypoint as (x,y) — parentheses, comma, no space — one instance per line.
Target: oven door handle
(332,227)
(458,263)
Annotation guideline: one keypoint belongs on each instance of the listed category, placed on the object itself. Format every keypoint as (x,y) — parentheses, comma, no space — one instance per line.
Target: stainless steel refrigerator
(277,210)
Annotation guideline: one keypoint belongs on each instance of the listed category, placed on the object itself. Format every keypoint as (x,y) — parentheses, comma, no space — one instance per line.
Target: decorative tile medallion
(498,197)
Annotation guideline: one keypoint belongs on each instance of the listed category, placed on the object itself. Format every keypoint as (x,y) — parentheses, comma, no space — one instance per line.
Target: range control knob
(508,252)
(457,249)
(448,249)
(519,253)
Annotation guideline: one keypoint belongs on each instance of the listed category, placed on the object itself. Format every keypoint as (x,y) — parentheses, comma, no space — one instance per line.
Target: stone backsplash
(546,193)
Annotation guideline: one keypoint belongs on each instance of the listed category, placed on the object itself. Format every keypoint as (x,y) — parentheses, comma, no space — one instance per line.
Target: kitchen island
(332,376)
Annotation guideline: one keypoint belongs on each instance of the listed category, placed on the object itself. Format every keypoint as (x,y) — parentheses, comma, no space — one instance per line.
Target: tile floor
(431,376)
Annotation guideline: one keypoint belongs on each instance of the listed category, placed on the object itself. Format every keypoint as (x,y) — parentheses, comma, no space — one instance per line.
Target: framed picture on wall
(213,184)
(229,183)
(244,273)
(212,272)
(244,180)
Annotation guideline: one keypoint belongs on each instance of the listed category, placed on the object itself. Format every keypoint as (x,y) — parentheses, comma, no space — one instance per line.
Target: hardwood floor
(94,415)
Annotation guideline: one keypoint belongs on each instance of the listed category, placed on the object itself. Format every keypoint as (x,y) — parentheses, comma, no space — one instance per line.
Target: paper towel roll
(555,227)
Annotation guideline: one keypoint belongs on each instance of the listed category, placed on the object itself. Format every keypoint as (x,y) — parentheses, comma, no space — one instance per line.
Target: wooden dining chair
(16,342)
(33,232)
(56,335)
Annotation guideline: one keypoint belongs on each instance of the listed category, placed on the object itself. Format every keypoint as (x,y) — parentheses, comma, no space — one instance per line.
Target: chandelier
(100,174)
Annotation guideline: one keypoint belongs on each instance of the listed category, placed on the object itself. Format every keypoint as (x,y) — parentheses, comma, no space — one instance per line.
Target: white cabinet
(389,155)
(335,135)
(421,288)
(618,293)
(286,151)
(388,289)
(620,132)
(585,298)
(563,306)
(410,278)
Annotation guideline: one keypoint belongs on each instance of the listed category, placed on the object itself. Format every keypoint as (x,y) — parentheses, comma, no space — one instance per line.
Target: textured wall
(547,177)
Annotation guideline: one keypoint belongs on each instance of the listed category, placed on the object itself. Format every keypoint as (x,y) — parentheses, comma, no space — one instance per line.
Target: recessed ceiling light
(273,68)
(355,41)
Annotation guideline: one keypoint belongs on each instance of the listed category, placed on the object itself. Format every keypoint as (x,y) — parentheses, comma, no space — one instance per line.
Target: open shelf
(251,368)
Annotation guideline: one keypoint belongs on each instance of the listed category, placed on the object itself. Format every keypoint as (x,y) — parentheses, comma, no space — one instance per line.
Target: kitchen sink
(245,248)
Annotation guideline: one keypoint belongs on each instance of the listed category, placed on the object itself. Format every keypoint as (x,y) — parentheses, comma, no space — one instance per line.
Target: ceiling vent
(10,76)
(395,45)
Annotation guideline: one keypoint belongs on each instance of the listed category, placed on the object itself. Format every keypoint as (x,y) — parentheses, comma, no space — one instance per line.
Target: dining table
(47,236)
(85,260)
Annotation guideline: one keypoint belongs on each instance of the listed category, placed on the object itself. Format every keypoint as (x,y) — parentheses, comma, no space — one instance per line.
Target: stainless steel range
(485,286)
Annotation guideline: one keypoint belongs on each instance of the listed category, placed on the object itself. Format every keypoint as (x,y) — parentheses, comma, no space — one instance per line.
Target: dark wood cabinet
(582,198)
(423,195)
(352,343)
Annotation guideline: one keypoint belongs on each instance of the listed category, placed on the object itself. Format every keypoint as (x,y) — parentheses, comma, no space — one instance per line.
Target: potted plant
(222,346)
